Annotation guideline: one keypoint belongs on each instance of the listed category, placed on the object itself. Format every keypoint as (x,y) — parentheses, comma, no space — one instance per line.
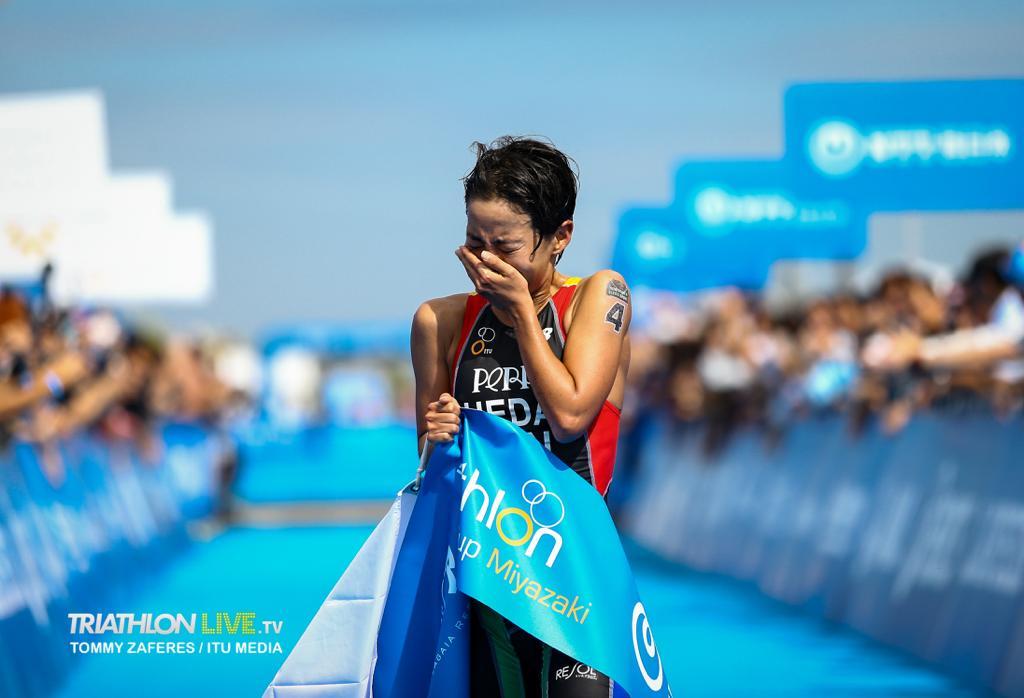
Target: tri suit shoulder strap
(474,304)
(563,297)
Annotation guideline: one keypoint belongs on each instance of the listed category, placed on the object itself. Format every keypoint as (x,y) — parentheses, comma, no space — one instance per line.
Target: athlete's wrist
(522,315)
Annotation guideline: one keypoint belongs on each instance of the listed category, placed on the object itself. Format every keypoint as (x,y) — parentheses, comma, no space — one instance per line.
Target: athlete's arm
(437,412)
(571,391)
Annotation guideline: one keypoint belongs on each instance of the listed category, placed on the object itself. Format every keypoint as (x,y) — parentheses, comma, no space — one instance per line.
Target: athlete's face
(497,227)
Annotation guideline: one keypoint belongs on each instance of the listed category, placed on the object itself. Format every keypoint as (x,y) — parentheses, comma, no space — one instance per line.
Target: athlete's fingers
(446,427)
(481,274)
(444,409)
(441,428)
(490,276)
(447,403)
(496,264)
(444,431)
(442,418)
(437,436)
(471,257)
(470,264)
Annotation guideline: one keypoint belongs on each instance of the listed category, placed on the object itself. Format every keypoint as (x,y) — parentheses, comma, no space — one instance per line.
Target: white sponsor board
(111,238)
(117,242)
(172,264)
(56,140)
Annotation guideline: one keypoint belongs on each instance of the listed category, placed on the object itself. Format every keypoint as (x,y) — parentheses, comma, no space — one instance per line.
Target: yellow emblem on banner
(28,244)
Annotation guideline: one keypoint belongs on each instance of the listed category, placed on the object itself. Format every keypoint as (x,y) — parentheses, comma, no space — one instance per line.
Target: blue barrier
(81,522)
(916,540)
(327,462)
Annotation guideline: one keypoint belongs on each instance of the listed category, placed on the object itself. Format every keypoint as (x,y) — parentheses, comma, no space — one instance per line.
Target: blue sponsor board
(889,146)
(748,205)
(657,248)
(729,222)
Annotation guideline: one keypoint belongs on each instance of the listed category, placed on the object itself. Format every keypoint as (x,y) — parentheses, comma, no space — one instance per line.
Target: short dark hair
(533,176)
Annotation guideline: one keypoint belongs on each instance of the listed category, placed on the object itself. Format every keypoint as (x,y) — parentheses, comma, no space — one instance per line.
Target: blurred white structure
(112,238)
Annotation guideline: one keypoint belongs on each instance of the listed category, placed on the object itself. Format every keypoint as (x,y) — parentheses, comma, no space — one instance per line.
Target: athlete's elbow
(567,426)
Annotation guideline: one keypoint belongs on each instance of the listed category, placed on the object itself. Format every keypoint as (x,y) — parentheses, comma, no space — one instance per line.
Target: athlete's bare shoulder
(609,280)
(603,282)
(439,319)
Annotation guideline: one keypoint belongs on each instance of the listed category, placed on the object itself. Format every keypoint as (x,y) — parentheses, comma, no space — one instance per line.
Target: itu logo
(648,653)
(836,148)
(484,336)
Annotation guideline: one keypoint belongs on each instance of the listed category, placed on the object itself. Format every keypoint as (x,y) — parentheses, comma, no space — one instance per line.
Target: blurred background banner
(729,222)
(657,248)
(750,208)
(908,145)
(851,149)
(109,237)
(53,140)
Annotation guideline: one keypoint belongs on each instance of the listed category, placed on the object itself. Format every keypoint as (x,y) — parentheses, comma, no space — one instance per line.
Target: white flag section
(336,654)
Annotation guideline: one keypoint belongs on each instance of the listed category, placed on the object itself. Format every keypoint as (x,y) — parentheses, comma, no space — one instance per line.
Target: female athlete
(542,349)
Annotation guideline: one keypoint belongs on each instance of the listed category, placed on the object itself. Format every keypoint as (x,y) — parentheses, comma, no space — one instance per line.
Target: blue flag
(500,519)
(506,522)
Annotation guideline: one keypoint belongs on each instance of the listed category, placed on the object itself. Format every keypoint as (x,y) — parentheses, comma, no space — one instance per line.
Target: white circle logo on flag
(650,651)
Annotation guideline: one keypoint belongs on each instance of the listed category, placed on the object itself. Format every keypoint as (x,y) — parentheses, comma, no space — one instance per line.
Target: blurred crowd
(717,361)
(71,371)
(917,339)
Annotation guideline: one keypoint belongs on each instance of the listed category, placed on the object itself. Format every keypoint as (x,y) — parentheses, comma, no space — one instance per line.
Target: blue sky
(326,139)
